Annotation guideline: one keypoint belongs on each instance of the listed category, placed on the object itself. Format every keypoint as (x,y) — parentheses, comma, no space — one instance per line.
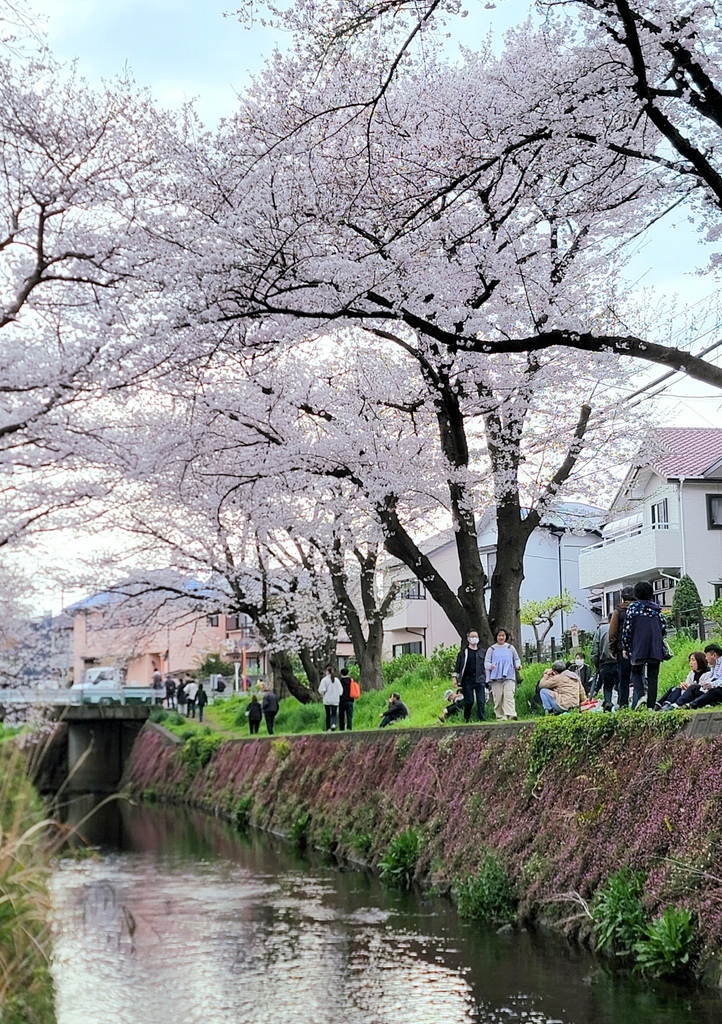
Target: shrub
(395,669)
(443,661)
(197,752)
(158,715)
(242,812)
(619,919)
(667,944)
(487,896)
(298,832)
(399,864)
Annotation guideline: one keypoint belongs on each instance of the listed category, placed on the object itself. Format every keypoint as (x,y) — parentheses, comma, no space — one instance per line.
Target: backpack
(354,690)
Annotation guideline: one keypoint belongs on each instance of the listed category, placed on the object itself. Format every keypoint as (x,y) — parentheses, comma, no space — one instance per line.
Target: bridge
(88,748)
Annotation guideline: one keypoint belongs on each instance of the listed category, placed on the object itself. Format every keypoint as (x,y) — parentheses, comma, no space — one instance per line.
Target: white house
(418,625)
(665,522)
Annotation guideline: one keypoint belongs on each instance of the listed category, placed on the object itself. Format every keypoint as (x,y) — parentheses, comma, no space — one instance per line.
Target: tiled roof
(687,451)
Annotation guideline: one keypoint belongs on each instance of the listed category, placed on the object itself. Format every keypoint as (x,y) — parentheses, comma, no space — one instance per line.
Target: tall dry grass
(27,841)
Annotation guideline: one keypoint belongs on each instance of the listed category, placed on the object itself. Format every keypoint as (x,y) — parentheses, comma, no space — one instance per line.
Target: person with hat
(454,703)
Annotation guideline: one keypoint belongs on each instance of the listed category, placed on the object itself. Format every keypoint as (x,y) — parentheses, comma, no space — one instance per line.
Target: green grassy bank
(420,681)
(605,827)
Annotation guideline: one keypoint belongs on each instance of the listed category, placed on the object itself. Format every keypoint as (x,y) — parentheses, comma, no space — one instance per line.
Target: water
(180,920)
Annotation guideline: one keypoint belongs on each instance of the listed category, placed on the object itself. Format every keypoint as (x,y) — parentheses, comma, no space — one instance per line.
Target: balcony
(639,552)
(407,614)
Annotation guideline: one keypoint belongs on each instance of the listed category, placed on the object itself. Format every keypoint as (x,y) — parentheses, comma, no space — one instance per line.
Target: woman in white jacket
(330,690)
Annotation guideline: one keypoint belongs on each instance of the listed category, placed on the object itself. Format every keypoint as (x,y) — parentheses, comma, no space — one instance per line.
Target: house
(665,521)
(168,636)
(418,625)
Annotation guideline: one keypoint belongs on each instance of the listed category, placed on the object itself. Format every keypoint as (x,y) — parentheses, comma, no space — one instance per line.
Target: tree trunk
(371,658)
(283,675)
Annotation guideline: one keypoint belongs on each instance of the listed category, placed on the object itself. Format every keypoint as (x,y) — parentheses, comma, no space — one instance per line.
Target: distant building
(168,638)
(418,625)
(665,521)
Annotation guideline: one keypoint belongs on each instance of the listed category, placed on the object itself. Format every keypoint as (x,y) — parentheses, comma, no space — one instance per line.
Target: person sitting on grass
(454,704)
(698,670)
(560,689)
(708,691)
(395,711)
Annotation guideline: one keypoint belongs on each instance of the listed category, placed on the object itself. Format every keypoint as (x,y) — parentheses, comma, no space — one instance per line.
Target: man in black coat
(471,676)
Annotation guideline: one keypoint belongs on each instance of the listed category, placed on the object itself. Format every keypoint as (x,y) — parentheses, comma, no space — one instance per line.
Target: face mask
(473,639)
(579,661)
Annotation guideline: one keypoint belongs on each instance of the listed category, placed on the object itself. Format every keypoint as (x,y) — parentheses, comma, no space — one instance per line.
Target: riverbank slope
(560,806)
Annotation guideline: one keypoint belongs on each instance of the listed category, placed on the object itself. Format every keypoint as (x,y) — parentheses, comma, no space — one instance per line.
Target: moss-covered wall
(562,805)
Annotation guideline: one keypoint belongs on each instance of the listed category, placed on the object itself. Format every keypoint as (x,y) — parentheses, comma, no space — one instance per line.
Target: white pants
(504,703)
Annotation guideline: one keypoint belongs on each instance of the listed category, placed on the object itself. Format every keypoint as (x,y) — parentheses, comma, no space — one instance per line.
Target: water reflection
(191,923)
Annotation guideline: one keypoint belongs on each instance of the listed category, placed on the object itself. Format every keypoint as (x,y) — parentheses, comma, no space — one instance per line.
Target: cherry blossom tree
(642,86)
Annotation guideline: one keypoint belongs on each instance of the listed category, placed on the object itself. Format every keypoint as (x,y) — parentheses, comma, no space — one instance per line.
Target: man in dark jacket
(643,641)
(269,706)
(396,710)
(470,675)
(605,664)
(345,704)
(616,625)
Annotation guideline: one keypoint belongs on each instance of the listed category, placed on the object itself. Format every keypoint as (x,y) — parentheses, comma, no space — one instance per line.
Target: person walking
(191,693)
(254,714)
(616,625)
(331,691)
(180,696)
(345,704)
(470,675)
(605,665)
(201,701)
(269,706)
(502,664)
(170,692)
(643,642)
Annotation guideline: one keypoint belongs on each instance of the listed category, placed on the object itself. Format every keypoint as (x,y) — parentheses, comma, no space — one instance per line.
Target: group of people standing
(628,650)
(338,694)
(499,667)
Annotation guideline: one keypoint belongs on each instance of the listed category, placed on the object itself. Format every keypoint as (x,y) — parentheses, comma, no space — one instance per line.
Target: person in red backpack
(345,704)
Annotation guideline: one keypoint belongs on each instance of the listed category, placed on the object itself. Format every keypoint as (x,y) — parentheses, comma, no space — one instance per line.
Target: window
(663,591)
(399,649)
(411,590)
(660,515)
(212,620)
(714,511)
(611,600)
(717,590)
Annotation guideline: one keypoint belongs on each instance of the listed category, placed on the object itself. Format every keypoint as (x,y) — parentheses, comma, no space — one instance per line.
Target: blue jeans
(547,699)
(345,715)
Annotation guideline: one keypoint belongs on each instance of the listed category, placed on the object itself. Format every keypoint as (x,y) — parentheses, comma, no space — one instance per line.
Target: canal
(179,919)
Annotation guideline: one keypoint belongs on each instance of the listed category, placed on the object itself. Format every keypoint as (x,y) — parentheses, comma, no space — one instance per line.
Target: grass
(26,991)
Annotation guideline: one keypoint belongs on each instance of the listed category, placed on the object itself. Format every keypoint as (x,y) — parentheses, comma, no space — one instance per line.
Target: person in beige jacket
(560,689)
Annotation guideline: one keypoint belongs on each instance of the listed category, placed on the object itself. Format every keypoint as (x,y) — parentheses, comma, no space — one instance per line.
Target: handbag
(667,650)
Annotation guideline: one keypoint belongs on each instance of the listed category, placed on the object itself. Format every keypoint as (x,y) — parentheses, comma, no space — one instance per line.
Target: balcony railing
(631,531)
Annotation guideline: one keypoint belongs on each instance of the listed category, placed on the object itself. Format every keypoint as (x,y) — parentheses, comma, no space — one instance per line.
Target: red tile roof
(687,451)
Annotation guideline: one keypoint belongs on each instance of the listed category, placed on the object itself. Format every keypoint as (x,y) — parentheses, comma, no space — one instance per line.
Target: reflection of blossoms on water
(194,924)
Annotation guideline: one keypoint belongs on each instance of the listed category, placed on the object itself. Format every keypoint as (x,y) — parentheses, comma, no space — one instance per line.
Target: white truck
(106,685)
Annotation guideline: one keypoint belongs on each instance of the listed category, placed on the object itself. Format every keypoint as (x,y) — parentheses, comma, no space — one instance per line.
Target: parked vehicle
(106,685)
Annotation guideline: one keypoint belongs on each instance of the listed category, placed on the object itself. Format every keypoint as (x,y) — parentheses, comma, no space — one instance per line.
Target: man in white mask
(470,674)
